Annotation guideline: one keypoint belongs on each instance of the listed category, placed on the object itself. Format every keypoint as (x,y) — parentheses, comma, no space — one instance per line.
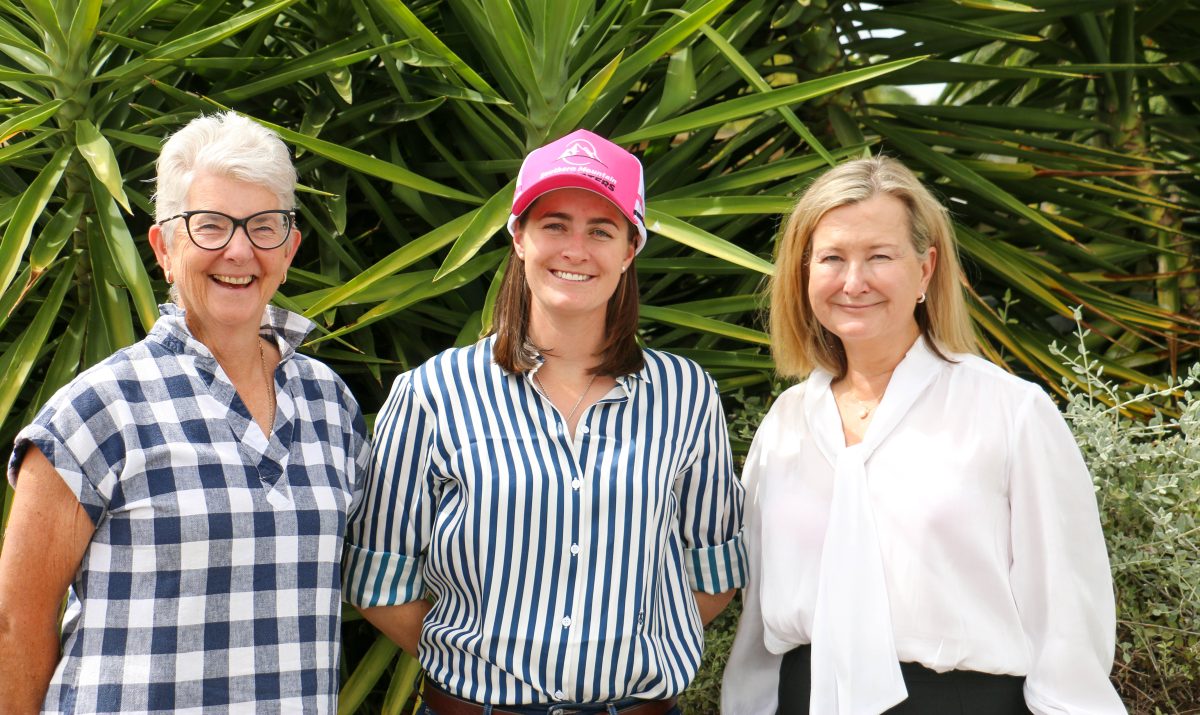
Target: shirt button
(559,695)
(575,484)
(566,621)
(586,429)
(574,548)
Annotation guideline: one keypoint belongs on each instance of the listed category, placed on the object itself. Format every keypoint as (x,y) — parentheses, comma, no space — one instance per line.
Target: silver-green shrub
(1143,450)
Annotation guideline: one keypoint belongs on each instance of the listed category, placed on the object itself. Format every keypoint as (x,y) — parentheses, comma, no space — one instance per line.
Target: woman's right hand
(402,623)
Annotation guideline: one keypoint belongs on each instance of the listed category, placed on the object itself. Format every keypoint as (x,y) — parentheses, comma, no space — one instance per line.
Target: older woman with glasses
(189,493)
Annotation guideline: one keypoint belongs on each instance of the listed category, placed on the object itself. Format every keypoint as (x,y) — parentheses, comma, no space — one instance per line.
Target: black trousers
(956,692)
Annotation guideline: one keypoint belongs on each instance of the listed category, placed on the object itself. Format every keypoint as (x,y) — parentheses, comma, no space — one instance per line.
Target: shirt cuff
(380,578)
(716,569)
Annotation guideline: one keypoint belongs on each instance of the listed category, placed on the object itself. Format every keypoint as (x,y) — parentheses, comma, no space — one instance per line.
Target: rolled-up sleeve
(710,505)
(1060,571)
(80,432)
(390,525)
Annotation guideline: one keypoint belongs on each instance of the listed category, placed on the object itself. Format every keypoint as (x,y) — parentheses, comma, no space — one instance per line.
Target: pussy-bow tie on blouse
(855,670)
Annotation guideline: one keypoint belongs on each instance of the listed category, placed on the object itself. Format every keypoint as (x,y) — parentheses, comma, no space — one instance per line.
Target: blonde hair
(799,343)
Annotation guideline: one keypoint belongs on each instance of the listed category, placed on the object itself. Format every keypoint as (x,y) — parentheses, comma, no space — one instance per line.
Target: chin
(854,332)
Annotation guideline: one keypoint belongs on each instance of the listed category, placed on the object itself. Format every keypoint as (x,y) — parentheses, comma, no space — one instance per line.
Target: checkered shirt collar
(286,328)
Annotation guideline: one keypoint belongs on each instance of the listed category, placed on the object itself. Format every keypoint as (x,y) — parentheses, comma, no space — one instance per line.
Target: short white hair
(227,145)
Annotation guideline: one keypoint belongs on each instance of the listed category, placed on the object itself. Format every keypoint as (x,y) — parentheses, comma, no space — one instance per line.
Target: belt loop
(612,709)
(487,710)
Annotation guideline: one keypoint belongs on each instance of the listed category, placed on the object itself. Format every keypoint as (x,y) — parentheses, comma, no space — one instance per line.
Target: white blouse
(966,536)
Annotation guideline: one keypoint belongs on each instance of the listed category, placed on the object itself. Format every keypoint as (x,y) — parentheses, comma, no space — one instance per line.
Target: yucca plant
(1066,143)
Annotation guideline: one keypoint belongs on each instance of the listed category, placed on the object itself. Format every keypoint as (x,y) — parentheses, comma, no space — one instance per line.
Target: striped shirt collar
(628,381)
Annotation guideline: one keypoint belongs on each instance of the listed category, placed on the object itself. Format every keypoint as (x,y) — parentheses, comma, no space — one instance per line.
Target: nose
(574,246)
(857,278)
(239,249)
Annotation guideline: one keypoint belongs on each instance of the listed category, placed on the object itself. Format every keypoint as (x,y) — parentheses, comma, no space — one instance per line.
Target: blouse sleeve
(710,506)
(391,523)
(1060,572)
(750,683)
(80,432)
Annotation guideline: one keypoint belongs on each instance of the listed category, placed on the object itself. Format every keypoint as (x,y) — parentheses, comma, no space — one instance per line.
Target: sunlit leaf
(126,261)
(29,119)
(490,218)
(100,156)
(29,207)
(670,227)
(725,112)
(708,325)
(18,361)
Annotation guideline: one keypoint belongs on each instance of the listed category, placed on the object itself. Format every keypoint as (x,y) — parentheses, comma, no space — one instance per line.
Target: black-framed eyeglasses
(213,230)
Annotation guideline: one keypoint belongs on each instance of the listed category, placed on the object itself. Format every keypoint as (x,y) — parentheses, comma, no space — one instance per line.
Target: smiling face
(574,244)
(227,289)
(865,276)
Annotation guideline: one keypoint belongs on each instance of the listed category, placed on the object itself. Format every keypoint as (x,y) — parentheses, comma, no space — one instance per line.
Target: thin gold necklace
(267,381)
(578,401)
(864,407)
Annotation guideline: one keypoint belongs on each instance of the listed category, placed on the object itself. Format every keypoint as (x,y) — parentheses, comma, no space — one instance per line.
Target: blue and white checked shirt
(212,583)
(563,567)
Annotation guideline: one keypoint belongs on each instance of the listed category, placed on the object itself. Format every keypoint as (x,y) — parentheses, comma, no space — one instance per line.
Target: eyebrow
(568,217)
(838,246)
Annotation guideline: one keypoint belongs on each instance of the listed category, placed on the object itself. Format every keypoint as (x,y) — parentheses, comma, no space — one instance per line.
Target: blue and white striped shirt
(562,567)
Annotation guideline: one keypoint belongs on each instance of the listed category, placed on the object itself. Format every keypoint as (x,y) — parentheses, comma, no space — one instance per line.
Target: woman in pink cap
(566,495)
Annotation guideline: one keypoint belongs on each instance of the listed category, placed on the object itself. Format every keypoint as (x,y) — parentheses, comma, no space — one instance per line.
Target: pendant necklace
(578,401)
(864,408)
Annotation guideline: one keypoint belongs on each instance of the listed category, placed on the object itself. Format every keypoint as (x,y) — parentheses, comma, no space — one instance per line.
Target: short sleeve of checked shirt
(80,434)
(212,581)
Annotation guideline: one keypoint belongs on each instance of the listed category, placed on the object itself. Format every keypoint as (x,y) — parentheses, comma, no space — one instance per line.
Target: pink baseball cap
(583,160)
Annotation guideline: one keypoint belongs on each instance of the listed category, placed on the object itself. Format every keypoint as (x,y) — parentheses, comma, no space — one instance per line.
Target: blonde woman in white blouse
(922,530)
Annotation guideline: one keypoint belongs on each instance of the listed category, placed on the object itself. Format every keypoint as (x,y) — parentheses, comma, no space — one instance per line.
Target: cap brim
(569,181)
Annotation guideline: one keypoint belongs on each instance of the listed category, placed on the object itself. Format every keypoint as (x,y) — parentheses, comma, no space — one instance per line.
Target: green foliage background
(1065,142)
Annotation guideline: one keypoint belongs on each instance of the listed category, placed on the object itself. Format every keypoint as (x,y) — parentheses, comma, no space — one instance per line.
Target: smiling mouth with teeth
(571,276)
(234,280)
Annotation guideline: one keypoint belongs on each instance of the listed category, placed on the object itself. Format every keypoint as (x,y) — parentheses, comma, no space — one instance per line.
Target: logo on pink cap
(580,152)
(583,160)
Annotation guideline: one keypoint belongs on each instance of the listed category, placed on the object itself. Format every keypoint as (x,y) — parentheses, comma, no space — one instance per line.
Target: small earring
(921,299)
(623,268)
(170,280)
(284,278)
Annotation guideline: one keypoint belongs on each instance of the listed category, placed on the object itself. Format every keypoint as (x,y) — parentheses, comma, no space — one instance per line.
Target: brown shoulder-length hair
(799,343)
(513,351)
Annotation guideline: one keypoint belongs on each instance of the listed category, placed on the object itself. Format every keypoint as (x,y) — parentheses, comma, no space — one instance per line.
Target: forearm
(44,542)
(401,623)
(711,604)
(28,657)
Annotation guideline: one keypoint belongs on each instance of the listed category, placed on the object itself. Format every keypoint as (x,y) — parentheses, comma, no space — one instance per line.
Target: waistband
(443,703)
